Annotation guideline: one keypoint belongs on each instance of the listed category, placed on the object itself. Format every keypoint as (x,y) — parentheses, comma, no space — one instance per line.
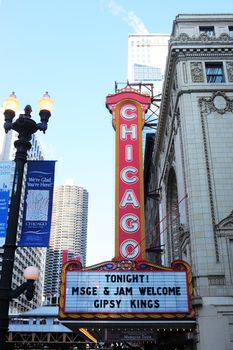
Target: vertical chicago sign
(128,107)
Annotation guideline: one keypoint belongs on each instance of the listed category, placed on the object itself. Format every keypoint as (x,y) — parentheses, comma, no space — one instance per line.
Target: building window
(207,30)
(148,73)
(214,73)
(231,31)
(42,321)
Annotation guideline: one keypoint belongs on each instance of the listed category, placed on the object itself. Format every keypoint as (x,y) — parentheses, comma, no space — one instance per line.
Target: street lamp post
(25,127)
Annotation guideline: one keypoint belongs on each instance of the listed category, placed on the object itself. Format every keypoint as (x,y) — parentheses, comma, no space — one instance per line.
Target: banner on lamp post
(6,175)
(37,211)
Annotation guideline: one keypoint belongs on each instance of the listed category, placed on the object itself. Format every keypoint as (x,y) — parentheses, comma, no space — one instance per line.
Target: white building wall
(194,138)
(149,50)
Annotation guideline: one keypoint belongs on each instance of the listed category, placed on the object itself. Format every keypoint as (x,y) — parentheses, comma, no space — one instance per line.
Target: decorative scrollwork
(197,72)
(226,225)
(218,102)
(204,37)
(183,37)
(229,66)
(224,37)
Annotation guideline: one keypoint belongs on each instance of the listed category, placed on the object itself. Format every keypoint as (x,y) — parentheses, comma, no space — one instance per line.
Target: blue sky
(76,50)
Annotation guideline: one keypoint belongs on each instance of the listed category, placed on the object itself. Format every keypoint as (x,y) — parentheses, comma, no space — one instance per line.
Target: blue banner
(6,176)
(38,203)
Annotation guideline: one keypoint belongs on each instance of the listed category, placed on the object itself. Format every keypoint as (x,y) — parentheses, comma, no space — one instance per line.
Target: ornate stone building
(192,169)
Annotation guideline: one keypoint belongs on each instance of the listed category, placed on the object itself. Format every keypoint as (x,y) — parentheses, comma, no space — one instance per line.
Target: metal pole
(25,128)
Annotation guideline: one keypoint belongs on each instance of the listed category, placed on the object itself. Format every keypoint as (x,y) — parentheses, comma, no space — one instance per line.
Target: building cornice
(201,40)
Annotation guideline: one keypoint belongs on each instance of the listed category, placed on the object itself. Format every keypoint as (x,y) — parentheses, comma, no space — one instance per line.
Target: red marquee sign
(128,107)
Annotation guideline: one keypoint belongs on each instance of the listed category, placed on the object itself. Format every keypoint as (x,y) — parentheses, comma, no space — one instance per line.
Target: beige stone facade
(192,168)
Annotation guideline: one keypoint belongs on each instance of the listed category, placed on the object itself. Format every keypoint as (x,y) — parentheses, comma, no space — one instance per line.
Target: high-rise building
(24,257)
(193,163)
(147,55)
(68,235)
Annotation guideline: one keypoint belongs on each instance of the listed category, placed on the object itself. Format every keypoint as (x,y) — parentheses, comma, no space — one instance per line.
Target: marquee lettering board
(108,290)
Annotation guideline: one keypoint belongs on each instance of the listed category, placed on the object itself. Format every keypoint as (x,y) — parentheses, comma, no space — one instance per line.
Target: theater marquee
(125,289)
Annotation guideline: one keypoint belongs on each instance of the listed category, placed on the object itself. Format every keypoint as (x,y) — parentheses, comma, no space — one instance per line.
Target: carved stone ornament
(183,37)
(218,102)
(229,66)
(197,72)
(184,234)
(204,37)
(226,224)
(224,36)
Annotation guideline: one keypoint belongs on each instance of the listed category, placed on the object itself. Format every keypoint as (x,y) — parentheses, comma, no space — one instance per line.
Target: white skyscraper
(24,257)
(68,235)
(147,55)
